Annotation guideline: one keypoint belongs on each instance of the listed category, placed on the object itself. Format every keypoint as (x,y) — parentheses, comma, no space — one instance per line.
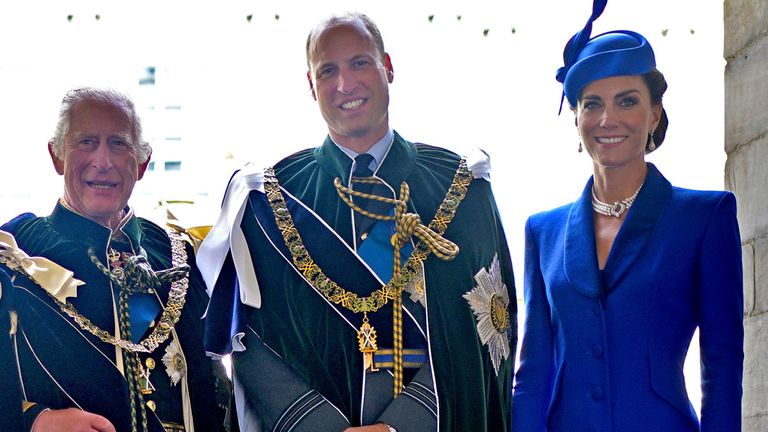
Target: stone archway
(746,174)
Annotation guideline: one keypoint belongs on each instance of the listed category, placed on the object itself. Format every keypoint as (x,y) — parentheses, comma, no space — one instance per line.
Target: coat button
(598,393)
(597,351)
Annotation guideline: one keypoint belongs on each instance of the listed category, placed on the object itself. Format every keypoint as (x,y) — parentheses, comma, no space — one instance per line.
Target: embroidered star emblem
(489,301)
(173,359)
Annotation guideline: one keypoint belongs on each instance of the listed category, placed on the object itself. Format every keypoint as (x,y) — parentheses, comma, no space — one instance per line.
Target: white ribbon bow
(55,279)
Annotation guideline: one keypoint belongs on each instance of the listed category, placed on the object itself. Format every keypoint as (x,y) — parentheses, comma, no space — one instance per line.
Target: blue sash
(143,308)
(378,252)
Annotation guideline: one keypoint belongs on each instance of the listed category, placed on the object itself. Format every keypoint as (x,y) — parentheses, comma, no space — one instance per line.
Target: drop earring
(651,146)
(580,149)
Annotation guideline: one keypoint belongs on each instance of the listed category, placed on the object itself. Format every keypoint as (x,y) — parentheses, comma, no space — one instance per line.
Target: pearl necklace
(617,208)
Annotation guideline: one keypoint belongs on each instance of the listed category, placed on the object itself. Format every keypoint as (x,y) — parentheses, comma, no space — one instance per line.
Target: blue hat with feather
(586,58)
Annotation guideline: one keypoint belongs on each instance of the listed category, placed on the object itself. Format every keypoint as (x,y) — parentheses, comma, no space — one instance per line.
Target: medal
(145,385)
(366,338)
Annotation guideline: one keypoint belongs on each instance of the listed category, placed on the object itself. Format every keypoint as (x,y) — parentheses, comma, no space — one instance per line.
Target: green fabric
(309,335)
(11,417)
(79,362)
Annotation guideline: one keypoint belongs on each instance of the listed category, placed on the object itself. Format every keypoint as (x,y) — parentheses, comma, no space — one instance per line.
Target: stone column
(746,174)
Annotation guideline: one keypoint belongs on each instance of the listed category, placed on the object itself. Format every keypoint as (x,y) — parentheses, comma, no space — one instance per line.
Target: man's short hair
(348,17)
(106,96)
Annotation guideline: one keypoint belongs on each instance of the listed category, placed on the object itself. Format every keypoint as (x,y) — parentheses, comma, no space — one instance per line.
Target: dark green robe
(320,346)
(10,389)
(62,366)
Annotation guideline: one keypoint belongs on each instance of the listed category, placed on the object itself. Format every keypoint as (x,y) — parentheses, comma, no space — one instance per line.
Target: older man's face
(100,164)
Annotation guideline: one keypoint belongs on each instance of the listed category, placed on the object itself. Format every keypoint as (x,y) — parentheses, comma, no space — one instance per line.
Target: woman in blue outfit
(617,282)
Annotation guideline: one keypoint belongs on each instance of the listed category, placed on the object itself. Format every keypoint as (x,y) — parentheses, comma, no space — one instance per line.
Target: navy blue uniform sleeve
(282,401)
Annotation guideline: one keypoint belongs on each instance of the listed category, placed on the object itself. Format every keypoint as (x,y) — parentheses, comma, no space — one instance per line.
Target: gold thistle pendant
(145,384)
(366,338)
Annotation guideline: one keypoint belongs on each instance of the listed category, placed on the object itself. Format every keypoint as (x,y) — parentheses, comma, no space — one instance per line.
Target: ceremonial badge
(489,301)
(173,360)
(366,338)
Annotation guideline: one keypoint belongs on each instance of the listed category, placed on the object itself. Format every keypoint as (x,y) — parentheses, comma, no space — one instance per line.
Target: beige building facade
(746,174)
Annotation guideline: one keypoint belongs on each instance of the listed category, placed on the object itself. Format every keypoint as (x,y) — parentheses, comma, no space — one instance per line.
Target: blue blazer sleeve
(533,380)
(721,311)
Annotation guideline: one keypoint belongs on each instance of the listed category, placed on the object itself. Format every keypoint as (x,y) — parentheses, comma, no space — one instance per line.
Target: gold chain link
(330,289)
(168,319)
(406,225)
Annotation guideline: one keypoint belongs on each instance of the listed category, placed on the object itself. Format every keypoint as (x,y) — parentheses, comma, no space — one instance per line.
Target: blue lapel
(637,227)
(580,254)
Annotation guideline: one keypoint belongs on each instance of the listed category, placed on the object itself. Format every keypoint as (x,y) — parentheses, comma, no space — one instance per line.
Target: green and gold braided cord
(131,366)
(177,276)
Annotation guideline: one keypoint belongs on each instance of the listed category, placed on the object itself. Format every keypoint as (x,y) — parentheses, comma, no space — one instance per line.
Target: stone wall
(746,174)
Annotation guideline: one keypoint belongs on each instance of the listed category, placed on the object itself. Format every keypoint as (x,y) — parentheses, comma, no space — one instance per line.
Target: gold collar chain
(330,289)
(430,240)
(168,319)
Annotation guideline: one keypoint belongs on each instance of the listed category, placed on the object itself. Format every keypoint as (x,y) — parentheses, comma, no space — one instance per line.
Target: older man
(338,317)
(114,341)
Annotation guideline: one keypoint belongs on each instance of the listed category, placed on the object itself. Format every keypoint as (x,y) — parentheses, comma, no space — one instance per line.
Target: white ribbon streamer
(55,279)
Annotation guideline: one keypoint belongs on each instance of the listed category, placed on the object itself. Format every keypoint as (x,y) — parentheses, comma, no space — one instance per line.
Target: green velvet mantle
(309,335)
(82,368)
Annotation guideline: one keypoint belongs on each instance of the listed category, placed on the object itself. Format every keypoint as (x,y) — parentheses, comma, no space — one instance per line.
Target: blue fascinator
(586,58)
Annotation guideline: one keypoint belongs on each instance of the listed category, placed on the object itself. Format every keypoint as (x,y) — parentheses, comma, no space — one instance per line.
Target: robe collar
(79,229)
(580,253)
(338,164)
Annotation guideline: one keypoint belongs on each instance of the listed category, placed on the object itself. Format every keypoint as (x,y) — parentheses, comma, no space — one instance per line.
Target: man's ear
(389,68)
(143,166)
(311,86)
(58,164)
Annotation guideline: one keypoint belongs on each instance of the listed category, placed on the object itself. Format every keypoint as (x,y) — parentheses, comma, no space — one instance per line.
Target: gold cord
(406,225)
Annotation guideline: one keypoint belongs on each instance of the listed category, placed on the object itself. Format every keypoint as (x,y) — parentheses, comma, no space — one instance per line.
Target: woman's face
(614,117)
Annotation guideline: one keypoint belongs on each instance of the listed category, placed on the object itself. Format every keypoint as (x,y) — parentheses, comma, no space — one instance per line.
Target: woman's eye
(630,101)
(590,105)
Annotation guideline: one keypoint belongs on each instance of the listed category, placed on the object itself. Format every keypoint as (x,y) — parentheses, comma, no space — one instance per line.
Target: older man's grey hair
(100,95)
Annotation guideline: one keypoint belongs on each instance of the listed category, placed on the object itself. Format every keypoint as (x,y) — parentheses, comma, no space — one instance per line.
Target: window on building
(173,166)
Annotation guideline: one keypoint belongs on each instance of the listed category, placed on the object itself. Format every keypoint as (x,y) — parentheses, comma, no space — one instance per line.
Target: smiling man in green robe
(104,309)
(366,284)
